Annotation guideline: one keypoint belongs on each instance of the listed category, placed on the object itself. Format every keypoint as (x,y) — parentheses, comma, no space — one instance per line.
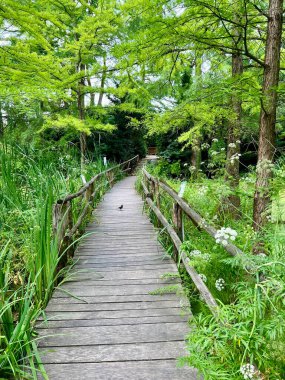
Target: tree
(266,145)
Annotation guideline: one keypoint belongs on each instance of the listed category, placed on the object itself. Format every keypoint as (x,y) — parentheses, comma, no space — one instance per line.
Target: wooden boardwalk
(114,328)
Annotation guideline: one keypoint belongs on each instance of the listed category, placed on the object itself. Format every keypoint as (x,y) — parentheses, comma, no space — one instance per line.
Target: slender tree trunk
(232,202)
(266,147)
(92,95)
(102,84)
(81,114)
(1,122)
(195,160)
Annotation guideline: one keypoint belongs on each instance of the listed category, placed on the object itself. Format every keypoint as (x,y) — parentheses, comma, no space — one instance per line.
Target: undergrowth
(30,182)
(247,340)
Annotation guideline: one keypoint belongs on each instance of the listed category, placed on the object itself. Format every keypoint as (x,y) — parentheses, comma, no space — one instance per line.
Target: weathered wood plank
(66,299)
(112,306)
(78,336)
(63,320)
(129,370)
(119,352)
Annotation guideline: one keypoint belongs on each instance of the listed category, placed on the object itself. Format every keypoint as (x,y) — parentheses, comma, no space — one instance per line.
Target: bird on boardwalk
(121,207)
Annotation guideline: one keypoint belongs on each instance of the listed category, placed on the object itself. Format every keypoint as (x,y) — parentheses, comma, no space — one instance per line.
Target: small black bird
(121,207)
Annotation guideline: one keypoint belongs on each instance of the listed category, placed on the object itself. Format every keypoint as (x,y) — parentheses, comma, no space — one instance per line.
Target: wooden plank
(107,290)
(117,314)
(66,299)
(129,370)
(119,352)
(129,274)
(90,282)
(63,320)
(121,306)
(78,336)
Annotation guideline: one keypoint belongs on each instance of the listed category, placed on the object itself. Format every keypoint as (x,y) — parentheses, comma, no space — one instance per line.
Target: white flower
(214,153)
(220,284)
(223,235)
(185,164)
(205,146)
(215,140)
(223,149)
(264,165)
(195,253)
(206,257)
(232,145)
(248,371)
(238,141)
(234,157)
(203,277)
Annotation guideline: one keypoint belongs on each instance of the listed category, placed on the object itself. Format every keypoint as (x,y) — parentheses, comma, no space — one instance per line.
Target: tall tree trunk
(195,160)
(103,80)
(232,202)
(92,95)
(1,122)
(81,114)
(266,147)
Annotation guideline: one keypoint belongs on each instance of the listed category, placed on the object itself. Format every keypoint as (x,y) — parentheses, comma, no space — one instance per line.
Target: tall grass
(30,183)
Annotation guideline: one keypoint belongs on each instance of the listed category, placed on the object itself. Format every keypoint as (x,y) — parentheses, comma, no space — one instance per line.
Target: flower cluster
(248,371)
(195,253)
(220,284)
(203,277)
(205,146)
(206,257)
(232,145)
(234,157)
(203,190)
(224,235)
(264,165)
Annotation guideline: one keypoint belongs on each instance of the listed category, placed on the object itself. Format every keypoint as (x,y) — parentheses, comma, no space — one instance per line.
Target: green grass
(30,182)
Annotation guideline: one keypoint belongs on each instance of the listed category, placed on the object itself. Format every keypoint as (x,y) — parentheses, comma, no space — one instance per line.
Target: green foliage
(251,289)
(31,180)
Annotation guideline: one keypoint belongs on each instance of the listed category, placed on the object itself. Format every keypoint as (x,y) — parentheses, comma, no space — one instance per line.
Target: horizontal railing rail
(68,216)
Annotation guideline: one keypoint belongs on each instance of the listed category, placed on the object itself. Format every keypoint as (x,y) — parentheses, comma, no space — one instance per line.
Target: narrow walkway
(115,329)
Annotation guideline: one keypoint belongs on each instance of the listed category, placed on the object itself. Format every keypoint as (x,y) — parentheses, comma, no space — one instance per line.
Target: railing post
(110,178)
(89,192)
(177,222)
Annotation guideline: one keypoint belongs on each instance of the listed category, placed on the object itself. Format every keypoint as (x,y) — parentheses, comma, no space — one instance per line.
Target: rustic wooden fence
(70,213)
(152,188)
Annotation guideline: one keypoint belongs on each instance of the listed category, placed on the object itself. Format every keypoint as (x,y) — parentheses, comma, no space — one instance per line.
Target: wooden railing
(70,212)
(152,191)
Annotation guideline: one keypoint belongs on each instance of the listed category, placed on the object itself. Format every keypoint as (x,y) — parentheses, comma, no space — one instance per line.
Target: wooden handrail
(201,286)
(69,197)
(64,228)
(192,214)
(151,192)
